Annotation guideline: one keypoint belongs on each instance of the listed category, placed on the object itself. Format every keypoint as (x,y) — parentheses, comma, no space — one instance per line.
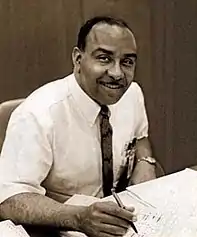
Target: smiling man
(73,136)
(104,69)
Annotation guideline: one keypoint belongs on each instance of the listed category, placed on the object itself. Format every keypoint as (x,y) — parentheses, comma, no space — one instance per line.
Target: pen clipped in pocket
(126,167)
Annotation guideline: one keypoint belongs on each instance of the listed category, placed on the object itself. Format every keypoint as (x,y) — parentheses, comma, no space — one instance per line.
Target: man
(54,144)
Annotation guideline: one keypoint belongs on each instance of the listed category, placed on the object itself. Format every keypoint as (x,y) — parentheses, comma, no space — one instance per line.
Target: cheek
(96,70)
(92,69)
(130,76)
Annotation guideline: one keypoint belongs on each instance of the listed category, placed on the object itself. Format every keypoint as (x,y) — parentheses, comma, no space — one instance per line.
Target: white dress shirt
(52,144)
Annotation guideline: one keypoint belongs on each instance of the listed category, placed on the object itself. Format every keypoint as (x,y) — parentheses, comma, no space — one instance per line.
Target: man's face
(105,69)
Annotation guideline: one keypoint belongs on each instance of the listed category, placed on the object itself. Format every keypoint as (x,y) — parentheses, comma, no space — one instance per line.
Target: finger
(113,204)
(114,230)
(103,234)
(114,210)
(130,208)
(113,220)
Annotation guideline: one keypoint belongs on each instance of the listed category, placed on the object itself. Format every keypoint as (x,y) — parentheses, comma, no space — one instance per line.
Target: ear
(76,56)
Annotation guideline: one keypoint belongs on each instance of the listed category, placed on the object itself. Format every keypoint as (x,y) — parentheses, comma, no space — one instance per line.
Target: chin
(112,101)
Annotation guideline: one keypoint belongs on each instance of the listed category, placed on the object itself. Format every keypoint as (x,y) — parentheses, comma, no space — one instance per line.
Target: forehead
(111,37)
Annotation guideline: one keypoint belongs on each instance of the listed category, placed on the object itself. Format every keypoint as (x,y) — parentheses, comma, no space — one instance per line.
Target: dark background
(36,40)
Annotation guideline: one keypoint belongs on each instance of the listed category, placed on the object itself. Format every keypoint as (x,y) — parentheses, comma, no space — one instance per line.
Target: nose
(115,71)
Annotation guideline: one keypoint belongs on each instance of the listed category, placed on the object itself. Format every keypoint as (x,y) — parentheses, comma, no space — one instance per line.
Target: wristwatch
(148,159)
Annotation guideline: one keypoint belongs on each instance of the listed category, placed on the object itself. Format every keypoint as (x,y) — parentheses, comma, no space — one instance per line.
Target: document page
(9,229)
(166,207)
(174,198)
(149,218)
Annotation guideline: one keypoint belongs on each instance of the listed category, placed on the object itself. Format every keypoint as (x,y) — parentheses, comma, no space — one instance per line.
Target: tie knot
(105,111)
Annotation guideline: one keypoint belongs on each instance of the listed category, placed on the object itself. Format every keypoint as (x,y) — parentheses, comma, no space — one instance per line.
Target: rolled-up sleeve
(141,118)
(26,156)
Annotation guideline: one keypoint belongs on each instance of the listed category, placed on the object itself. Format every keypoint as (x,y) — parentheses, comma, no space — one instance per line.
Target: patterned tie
(106,149)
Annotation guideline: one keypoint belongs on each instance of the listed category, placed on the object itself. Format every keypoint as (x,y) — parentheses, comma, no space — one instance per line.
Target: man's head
(104,59)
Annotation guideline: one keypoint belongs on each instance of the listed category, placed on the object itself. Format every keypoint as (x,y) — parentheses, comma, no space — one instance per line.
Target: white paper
(175,197)
(9,229)
(166,206)
(82,200)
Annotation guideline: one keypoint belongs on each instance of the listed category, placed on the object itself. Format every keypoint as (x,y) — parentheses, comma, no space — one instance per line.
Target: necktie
(106,149)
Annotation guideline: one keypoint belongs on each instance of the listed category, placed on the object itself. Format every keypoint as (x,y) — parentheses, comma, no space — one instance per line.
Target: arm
(143,170)
(143,148)
(99,219)
(36,209)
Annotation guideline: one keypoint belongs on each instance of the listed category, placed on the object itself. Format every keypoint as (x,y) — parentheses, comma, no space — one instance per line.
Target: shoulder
(39,103)
(136,89)
(49,94)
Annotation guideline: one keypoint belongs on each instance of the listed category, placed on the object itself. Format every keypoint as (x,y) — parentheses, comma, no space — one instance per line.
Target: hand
(105,219)
(142,172)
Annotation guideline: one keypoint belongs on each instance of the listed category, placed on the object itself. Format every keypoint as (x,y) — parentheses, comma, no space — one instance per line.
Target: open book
(9,229)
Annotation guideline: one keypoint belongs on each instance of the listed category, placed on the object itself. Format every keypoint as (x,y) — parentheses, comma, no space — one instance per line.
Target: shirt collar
(89,108)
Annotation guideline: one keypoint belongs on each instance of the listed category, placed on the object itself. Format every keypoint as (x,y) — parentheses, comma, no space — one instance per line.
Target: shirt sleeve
(141,119)
(26,156)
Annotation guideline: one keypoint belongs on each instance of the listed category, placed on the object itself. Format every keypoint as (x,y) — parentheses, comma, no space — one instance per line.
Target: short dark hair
(86,28)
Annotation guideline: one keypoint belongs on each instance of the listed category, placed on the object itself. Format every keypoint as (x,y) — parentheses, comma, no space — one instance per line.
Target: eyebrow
(129,55)
(103,51)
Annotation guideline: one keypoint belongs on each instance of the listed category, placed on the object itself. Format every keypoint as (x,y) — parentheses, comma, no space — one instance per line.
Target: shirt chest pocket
(121,141)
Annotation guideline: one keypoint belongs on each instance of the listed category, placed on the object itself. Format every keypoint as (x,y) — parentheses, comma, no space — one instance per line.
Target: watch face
(151,160)
(148,159)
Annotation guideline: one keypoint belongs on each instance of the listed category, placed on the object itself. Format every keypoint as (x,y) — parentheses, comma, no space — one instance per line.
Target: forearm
(143,171)
(98,219)
(35,209)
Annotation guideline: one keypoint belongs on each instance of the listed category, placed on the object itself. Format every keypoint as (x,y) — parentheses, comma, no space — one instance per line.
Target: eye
(128,62)
(104,58)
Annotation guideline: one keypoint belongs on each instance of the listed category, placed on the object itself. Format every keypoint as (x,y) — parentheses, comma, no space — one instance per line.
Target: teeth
(112,86)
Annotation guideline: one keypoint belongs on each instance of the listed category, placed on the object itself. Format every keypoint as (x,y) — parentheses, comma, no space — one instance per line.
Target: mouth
(112,85)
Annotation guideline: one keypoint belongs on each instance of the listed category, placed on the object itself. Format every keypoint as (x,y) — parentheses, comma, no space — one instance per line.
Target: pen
(132,144)
(120,204)
(125,170)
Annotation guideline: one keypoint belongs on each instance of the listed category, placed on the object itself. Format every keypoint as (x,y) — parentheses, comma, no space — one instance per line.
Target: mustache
(112,81)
